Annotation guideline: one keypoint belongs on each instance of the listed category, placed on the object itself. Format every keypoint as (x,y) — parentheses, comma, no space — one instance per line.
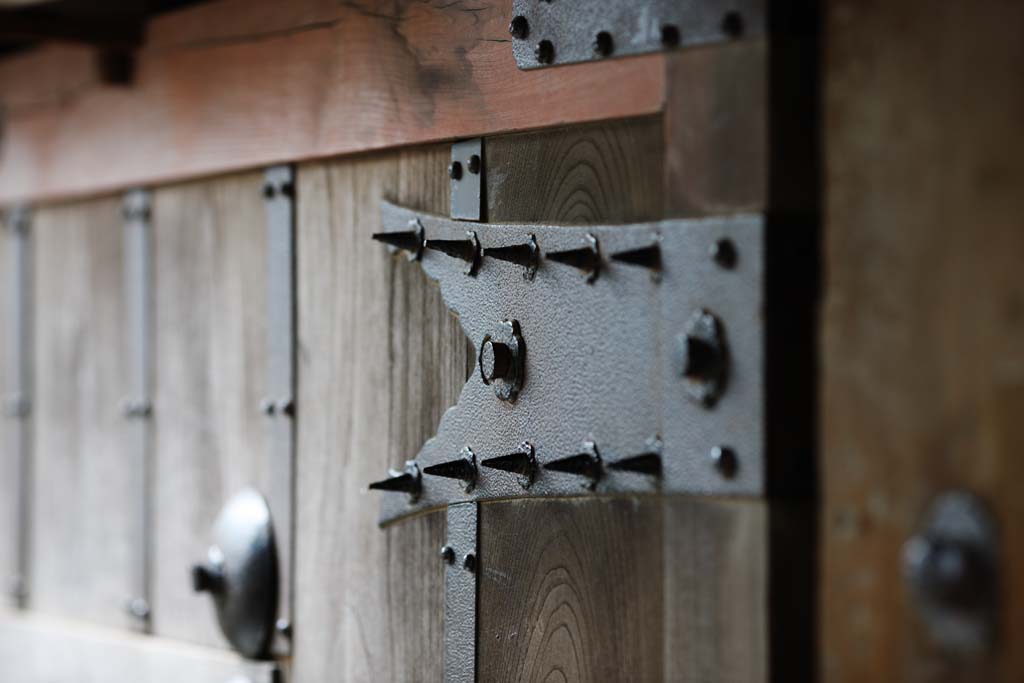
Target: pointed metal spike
(587,258)
(644,463)
(586,464)
(467,250)
(406,239)
(516,463)
(406,481)
(646,257)
(460,249)
(522,463)
(463,468)
(410,240)
(526,255)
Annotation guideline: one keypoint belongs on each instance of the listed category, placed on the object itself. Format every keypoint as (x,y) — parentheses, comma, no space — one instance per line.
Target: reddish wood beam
(232,85)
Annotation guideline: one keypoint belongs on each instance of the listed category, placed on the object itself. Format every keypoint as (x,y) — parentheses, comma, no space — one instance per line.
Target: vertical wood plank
(716,590)
(923,337)
(570,590)
(380,358)
(83,497)
(210,374)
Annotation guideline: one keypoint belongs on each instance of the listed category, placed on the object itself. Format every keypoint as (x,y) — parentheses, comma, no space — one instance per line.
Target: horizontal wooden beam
(36,648)
(236,84)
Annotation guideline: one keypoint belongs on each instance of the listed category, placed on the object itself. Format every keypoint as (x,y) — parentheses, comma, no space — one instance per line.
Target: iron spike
(462,468)
(405,481)
(587,259)
(526,255)
(644,463)
(645,257)
(467,250)
(586,464)
(407,240)
(523,463)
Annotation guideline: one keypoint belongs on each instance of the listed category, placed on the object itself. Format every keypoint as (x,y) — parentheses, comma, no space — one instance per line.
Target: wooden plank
(605,172)
(312,80)
(36,649)
(210,438)
(716,560)
(570,590)
(83,495)
(380,358)
(923,336)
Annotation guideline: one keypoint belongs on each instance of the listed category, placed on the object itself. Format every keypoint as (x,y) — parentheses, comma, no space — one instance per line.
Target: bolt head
(474,164)
(723,252)
(469,562)
(519,28)
(269,190)
(545,52)
(670,36)
(455,170)
(495,360)
(447,554)
(724,460)
(603,44)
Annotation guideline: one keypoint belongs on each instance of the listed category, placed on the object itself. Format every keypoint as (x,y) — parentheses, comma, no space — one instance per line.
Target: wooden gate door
(514,338)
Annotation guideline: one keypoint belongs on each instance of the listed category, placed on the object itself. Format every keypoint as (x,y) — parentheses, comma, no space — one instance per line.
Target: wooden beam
(231,85)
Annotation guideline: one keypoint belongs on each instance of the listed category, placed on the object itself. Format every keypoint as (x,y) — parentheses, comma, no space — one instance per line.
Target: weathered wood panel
(210,370)
(237,83)
(380,358)
(83,498)
(34,648)
(716,587)
(923,348)
(570,590)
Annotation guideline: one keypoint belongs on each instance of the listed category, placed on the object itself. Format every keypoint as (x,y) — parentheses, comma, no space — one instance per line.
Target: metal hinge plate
(565,32)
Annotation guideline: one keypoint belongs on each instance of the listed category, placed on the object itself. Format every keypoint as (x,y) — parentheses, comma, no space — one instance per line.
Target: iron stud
(586,464)
(467,250)
(545,52)
(469,562)
(447,554)
(644,463)
(645,257)
(519,28)
(462,468)
(724,460)
(407,480)
(522,463)
(603,44)
(406,240)
(526,255)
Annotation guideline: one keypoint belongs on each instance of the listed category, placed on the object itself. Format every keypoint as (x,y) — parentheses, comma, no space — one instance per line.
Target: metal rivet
(288,188)
(603,44)
(269,190)
(724,460)
(284,627)
(447,554)
(455,170)
(286,406)
(732,24)
(545,52)
(669,36)
(519,28)
(474,164)
(267,406)
(723,252)
(469,562)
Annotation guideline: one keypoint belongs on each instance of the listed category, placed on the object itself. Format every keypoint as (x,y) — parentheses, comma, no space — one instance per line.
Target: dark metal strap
(462,565)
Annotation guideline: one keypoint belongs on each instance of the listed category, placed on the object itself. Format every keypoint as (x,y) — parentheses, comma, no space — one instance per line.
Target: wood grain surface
(380,357)
(242,83)
(210,369)
(83,500)
(923,343)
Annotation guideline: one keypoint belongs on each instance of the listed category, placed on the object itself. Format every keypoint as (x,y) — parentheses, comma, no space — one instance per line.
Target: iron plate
(18,405)
(460,583)
(467,185)
(602,364)
(138,270)
(279,194)
(571,27)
